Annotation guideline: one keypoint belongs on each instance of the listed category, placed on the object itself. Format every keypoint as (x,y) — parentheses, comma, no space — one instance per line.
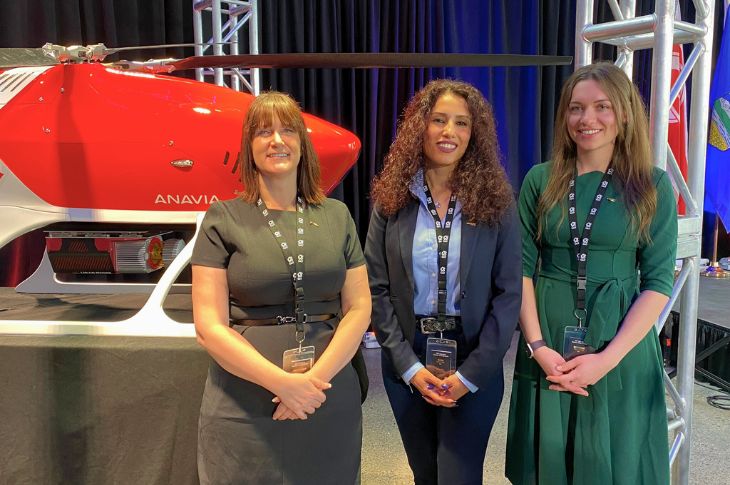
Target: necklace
(439,204)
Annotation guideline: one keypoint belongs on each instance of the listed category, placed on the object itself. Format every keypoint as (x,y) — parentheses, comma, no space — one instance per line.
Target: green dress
(617,435)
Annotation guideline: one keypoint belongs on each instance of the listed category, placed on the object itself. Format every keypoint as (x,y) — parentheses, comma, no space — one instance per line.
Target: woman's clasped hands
(574,375)
(298,395)
(439,392)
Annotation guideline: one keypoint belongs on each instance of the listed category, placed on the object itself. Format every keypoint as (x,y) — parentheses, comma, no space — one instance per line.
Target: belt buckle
(280,320)
(429,325)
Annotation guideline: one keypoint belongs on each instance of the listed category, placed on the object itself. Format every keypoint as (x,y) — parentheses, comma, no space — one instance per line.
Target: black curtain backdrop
(369,102)
(365,101)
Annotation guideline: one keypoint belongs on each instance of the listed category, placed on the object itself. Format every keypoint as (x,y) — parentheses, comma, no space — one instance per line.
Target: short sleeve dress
(238,442)
(617,435)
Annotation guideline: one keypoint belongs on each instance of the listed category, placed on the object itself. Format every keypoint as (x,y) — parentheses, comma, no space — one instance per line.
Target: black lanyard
(442,239)
(580,242)
(296,264)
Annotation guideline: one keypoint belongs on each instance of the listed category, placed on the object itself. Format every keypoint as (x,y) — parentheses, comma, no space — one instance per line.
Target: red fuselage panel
(88,136)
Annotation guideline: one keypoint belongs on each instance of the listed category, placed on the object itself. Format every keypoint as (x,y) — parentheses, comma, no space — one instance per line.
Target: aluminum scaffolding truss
(660,31)
(227,18)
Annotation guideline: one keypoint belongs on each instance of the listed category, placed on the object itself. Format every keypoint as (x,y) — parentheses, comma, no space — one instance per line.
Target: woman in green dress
(588,399)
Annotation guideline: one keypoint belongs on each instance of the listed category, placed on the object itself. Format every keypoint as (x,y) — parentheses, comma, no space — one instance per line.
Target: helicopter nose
(336,148)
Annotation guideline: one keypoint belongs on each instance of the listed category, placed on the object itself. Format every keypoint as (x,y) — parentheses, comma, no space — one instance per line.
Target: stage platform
(714,308)
(712,360)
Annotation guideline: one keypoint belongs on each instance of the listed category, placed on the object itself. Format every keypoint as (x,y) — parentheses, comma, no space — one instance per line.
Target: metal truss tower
(660,31)
(227,18)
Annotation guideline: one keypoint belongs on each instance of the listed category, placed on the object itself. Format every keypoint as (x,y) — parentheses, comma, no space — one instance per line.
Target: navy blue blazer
(490,275)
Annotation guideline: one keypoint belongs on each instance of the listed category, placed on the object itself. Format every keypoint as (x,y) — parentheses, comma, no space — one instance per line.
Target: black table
(96,410)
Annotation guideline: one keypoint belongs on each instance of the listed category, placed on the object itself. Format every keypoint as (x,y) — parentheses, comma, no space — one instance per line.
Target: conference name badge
(574,342)
(441,357)
(298,360)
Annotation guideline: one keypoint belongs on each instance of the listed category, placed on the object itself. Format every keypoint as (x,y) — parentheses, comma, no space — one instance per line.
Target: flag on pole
(717,175)
(678,113)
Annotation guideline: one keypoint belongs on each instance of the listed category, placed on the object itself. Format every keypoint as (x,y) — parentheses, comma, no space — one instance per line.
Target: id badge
(574,343)
(299,360)
(441,357)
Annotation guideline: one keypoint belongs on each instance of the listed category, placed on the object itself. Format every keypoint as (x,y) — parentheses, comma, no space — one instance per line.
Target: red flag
(678,114)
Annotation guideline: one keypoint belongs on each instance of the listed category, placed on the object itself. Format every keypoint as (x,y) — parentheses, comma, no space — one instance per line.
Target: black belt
(282,320)
(429,324)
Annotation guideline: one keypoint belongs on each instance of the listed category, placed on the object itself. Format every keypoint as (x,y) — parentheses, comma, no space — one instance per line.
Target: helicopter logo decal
(181,199)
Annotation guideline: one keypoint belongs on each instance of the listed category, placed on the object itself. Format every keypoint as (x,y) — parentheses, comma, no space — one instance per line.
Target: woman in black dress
(277,271)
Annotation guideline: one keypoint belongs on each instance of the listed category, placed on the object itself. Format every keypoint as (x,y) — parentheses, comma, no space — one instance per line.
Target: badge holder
(441,356)
(574,343)
(300,359)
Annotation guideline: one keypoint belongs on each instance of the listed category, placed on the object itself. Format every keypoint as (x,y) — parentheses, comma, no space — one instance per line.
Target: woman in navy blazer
(443,255)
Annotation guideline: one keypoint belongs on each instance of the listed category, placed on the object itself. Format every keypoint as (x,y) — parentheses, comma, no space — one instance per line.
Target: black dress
(238,441)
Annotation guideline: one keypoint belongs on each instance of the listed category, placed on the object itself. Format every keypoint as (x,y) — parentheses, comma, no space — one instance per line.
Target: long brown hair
(631,159)
(261,113)
(479,181)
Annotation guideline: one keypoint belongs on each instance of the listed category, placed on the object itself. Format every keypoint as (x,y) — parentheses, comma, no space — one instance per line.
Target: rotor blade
(368,60)
(114,50)
(21,57)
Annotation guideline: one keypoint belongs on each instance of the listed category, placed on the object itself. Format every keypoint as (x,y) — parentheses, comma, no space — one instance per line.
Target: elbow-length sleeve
(656,257)
(527,210)
(353,250)
(211,248)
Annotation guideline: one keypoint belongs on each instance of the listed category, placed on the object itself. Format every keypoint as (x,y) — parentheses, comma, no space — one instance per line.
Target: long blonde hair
(631,158)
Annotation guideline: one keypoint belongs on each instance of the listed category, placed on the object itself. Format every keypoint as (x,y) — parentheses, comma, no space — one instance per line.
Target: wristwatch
(533,346)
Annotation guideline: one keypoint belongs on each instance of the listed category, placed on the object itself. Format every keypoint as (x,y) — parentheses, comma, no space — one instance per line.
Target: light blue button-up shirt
(425,267)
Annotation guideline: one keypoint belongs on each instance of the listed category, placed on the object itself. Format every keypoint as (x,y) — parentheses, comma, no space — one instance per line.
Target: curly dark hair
(479,180)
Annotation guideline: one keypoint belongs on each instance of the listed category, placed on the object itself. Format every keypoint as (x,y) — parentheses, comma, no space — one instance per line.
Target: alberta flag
(717,177)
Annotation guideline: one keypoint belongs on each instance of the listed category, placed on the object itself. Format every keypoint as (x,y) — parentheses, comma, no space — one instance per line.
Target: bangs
(268,106)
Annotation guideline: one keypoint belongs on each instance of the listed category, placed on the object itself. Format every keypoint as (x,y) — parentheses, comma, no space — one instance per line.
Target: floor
(384,461)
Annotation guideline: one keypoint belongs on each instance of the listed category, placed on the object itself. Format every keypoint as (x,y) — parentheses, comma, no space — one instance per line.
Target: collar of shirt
(416,187)
(425,257)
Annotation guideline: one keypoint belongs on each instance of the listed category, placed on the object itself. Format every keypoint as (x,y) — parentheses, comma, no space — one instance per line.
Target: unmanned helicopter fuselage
(87,143)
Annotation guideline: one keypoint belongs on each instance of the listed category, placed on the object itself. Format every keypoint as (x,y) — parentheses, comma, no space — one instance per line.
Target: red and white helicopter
(117,161)
(87,149)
